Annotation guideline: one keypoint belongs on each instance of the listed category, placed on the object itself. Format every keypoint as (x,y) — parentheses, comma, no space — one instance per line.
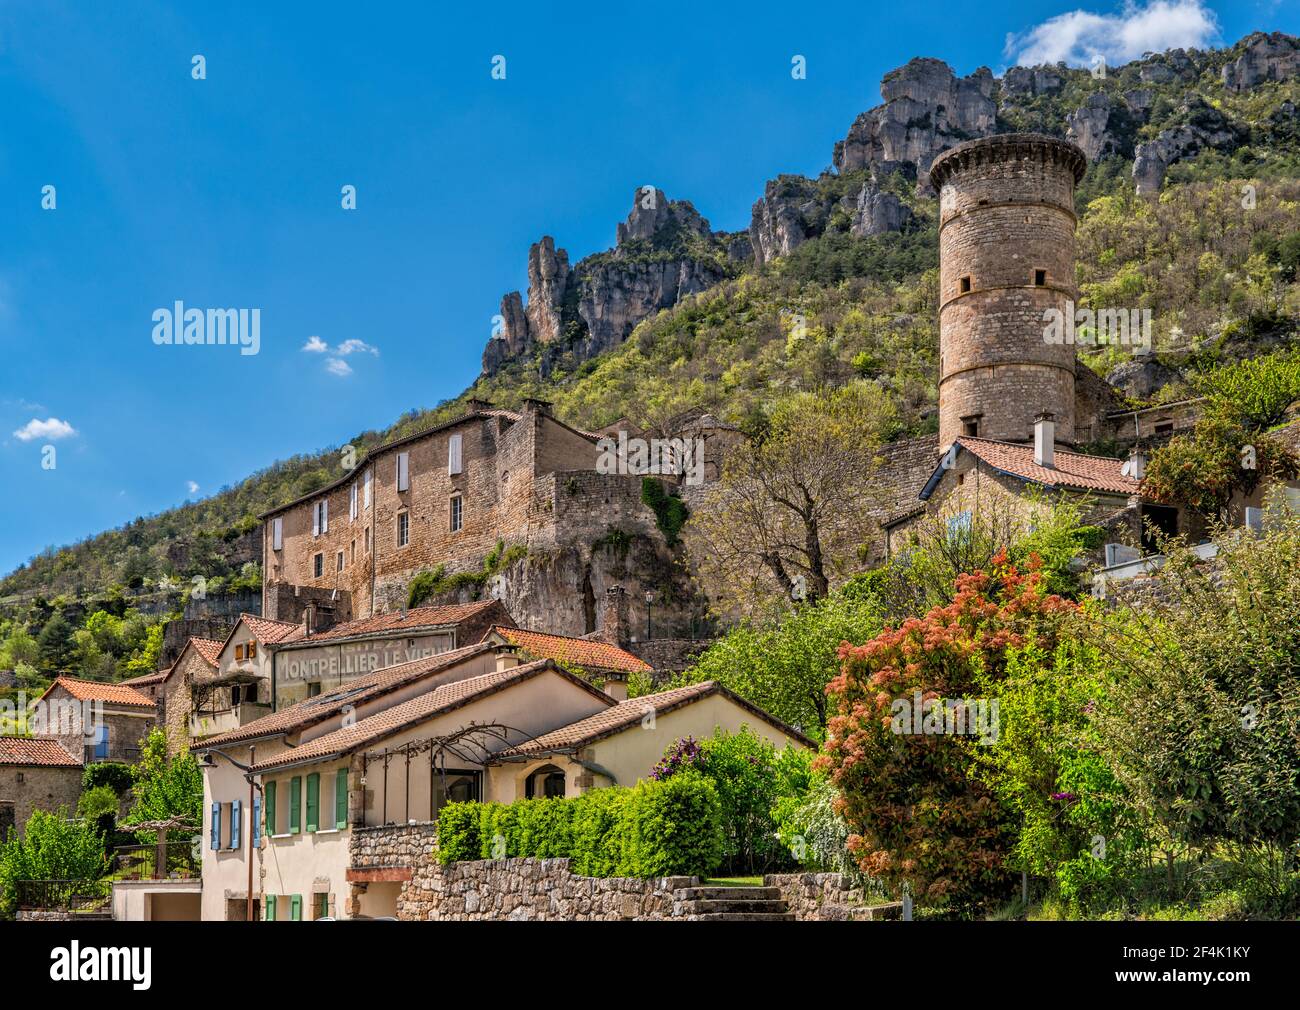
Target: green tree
(166,787)
(53,847)
(56,644)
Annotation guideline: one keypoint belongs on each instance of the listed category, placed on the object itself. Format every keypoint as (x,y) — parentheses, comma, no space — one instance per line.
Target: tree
(1202,722)
(793,503)
(165,787)
(784,667)
(55,644)
(53,847)
(907,718)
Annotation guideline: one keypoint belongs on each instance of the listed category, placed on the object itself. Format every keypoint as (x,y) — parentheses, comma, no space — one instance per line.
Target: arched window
(547,781)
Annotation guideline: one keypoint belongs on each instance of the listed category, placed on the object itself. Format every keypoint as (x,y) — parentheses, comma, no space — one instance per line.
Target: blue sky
(225,192)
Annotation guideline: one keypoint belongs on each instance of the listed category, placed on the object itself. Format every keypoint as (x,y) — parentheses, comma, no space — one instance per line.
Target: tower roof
(1007,145)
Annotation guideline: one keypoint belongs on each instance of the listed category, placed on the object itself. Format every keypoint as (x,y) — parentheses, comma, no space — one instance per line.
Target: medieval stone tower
(1006,256)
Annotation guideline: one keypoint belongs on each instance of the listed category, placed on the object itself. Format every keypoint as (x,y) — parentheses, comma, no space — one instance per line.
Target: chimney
(613,619)
(309,618)
(1045,439)
(532,405)
(507,658)
(474,404)
(616,688)
(1136,467)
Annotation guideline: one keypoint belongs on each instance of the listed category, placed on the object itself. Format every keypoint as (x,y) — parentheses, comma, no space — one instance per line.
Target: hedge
(653,829)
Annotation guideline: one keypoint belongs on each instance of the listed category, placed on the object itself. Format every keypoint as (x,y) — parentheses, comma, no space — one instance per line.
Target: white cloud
(337,366)
(357,347)
(315,345)
(51,429)
(192,486)
(1079,37)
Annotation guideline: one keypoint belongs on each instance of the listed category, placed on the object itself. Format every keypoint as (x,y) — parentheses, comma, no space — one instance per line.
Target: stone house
(97,721)
(36,773)
(444,498)
(344,782)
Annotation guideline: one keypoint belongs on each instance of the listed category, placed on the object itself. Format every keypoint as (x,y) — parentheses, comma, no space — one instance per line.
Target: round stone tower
(1006,256)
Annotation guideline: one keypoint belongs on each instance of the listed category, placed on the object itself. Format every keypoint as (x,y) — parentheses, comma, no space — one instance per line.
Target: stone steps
(736,904)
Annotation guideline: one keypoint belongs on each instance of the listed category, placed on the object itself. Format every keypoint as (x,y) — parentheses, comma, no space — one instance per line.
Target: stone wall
(828,897)
(392,845)
(537,890)
(32,787)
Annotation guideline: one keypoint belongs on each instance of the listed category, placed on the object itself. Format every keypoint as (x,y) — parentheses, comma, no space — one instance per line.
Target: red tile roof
(208,648)
(94,690)
(1072,470)
(584,652)
(628,714)
(148,679)
(29,750)
(265,629)
(310,711)
(442,699)
(398,620)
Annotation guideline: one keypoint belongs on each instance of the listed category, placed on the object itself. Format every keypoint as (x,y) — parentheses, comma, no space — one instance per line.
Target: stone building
(97,721)
(442,500)
(36,773)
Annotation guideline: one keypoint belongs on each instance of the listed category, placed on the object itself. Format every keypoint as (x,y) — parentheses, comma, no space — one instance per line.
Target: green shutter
(295,908)
(269,901)
(341,800)
(322,906)
(313,801)
(270,808)
(295,805)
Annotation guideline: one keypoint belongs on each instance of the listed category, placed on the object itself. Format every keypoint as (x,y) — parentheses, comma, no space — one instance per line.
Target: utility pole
(252,824)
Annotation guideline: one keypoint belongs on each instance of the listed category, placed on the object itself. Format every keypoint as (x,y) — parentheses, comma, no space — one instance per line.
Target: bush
(650,830)
(52,848)
(107,773)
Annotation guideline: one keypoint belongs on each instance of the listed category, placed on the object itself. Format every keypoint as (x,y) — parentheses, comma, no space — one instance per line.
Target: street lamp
(649,599)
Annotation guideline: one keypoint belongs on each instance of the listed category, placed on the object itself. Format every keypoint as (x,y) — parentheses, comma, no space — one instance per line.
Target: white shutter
(367,489)
(277,534)
(453,454)
(352,501)
(315,520)
(325,516)
(403,470)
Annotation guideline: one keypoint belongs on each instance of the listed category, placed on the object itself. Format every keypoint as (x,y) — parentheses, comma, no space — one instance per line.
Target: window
(338,562)
(1040,278)
(970,426)
(269,792)
(239,653)
(453,454)
(270,908)
(1164,427)
(965,284)
(365,489)
(277,534)
(547,781)
(352,552)
(320,904)
(457,513)
(318,565)
(295,805)
(403,529)
(341,799)
(320,520)
(250,692)
(313,688)
(403,471)
(313,802)
(100,745)
(250,650)
(352,501)
(367,539)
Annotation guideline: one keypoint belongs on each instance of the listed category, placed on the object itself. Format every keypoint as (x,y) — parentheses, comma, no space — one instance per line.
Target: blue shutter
(216,827)
(257,821)
(236,823)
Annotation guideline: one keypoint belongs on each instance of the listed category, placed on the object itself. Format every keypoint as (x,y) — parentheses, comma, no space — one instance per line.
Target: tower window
(970,425)
(965,284)
(1040,278)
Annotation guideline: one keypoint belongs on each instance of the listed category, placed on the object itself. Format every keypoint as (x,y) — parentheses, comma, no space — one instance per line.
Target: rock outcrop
(789,212)
(1264,57)
(927,109)
(1102,127)
(548,280)
(1203,127)
(876,212)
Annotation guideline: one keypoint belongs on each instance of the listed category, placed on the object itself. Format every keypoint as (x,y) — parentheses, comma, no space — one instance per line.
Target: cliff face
(664,251)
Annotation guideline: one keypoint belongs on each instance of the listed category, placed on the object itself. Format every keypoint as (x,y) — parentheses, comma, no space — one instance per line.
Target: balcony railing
(85,896)
(205,722)
(172,861)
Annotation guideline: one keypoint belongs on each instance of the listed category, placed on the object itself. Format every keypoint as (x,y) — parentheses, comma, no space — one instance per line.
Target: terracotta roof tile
(148,679)
(26,750)
(265,629)
(584,652)
(397,620)
(94,690)
(443,698)
(1073,470)
(208,648)
(322,707)
(627,714)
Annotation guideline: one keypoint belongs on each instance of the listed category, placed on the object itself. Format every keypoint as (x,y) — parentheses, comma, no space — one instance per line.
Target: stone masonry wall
(828,897)
(536,890)
(392,846)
